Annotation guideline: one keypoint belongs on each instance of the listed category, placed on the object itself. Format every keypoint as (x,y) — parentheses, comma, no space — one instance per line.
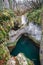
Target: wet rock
(20,59)
(34,30)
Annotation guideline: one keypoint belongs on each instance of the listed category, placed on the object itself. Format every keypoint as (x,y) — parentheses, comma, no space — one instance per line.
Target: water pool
(27,46)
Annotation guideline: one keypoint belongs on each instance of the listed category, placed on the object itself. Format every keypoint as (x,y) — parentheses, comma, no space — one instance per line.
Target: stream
(31,29)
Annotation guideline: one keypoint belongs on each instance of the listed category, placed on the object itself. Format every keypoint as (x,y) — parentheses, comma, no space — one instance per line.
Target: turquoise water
(27,46)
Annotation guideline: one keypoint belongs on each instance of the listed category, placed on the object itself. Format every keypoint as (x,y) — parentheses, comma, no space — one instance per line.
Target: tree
(1,4)
(6,4)
(41,44)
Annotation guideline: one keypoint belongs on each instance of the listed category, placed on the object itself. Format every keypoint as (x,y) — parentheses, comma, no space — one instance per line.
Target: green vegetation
(6,15)
(35,15)
(4,54)
(6,19)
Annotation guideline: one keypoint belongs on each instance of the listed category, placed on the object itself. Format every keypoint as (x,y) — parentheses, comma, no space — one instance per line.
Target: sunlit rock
(20,59)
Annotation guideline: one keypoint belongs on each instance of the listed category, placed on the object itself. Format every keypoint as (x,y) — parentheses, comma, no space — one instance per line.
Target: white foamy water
(34,31)
(23,19)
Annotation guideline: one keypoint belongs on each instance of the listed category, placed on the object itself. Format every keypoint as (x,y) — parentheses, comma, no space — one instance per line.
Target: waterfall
(23,19)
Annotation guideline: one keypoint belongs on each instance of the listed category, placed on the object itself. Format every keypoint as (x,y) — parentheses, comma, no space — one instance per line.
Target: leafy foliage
(4,54)
(35,15)
(6,15)
(5,23)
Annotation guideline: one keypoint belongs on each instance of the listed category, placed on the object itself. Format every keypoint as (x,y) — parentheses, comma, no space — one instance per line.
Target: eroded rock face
(31,29)
(23,60)
(11,61)
(20,59)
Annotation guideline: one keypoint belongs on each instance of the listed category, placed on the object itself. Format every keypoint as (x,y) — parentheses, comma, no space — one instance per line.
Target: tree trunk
(1,4)
(6,4)
(41,45)
(10,3)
